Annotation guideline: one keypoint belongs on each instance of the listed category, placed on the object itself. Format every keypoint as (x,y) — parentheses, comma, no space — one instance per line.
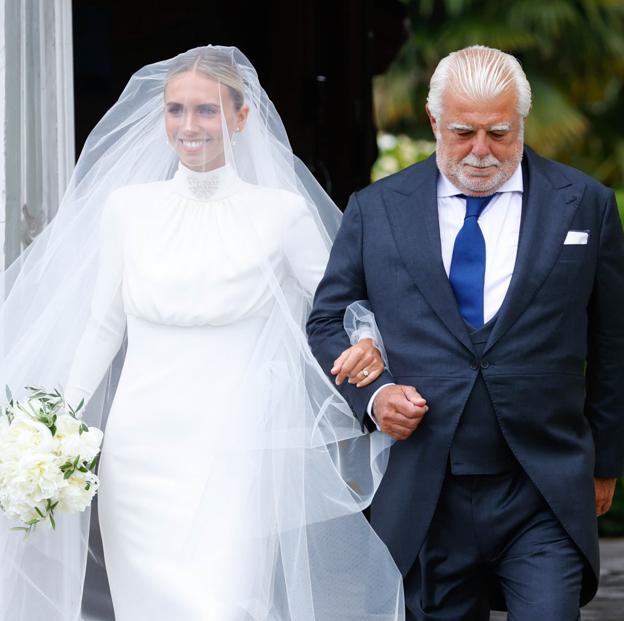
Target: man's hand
(361,363)
(605,488)
(398,410)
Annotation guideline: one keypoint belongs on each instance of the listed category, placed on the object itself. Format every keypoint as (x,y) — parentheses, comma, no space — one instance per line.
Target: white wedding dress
(190,267)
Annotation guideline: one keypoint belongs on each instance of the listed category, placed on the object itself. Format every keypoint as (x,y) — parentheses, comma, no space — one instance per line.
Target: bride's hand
(361,364)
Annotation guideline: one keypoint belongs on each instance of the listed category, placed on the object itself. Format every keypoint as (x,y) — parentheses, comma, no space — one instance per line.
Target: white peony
(29,482)
(25,435)
(71,443)
(75,496)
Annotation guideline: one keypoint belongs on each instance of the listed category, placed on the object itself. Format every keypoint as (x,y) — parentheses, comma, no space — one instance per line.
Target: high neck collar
(206,186)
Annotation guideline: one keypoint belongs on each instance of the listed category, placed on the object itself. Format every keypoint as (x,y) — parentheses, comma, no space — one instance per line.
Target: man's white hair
(481,73)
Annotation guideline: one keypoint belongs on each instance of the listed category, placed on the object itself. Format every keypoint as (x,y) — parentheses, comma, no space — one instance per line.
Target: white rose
(71,443)
(75,496)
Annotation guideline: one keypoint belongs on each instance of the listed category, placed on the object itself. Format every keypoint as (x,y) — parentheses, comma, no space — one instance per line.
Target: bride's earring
(234,136)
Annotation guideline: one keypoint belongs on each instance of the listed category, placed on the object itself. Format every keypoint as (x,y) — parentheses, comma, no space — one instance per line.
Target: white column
(39,126)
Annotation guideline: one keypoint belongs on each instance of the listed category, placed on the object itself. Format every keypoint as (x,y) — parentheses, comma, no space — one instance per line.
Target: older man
(497,281)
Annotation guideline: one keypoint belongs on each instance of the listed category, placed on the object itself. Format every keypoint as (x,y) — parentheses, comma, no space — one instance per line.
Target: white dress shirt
(500,225)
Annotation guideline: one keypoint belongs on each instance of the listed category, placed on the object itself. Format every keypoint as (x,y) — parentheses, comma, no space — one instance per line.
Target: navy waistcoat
(478,445)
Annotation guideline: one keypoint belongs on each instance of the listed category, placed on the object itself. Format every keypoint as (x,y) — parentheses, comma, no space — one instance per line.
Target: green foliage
(571,50)
(619,197)
(399,152)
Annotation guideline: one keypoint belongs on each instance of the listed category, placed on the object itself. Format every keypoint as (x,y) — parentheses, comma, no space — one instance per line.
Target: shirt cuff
(369,409)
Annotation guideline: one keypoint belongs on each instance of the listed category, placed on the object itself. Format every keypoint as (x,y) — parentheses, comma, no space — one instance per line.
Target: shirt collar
(513,184)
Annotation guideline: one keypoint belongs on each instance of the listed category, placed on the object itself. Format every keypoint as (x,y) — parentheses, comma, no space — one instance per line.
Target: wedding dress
(190,405)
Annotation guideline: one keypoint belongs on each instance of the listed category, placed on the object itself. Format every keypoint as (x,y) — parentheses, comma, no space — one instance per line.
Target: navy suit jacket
(554,363)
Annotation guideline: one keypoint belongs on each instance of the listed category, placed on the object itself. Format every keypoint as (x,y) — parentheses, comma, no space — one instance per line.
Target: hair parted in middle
(213,64)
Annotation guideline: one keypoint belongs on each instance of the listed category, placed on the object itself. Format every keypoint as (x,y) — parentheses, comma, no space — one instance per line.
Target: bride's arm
(307,253)
(305,248)
(106,325)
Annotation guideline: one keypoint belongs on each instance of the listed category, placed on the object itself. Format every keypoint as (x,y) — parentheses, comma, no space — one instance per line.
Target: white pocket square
(576,238)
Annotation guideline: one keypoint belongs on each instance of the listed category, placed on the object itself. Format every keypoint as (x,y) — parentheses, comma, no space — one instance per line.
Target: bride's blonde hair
(215,65)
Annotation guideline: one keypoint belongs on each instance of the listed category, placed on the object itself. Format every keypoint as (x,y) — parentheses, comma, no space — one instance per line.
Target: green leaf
(9,396)
(39,512)
(73,411)
(52,521)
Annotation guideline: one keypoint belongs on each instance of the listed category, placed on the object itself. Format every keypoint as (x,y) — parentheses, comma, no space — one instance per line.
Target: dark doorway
(316,59)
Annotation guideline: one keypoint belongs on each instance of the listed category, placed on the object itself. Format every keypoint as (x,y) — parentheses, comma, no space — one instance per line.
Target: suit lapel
(412,209)
(548,208)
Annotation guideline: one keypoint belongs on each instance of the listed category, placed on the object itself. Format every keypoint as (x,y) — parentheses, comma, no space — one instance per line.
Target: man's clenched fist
(398,410)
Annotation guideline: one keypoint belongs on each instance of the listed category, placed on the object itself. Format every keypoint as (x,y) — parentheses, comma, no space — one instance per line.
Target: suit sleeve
(343,283)
(604,404)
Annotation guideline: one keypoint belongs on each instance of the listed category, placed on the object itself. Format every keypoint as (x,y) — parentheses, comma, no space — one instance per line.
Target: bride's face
(195,107)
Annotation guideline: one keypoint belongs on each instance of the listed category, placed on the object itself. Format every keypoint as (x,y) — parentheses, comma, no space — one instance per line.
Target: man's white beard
(455,170)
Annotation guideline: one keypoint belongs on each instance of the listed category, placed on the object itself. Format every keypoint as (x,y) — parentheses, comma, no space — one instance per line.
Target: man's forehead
(457,103)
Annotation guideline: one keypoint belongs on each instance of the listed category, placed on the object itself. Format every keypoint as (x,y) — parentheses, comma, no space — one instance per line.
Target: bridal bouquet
(47,459)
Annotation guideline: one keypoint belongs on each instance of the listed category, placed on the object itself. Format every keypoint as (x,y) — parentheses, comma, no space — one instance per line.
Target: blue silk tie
(467,274)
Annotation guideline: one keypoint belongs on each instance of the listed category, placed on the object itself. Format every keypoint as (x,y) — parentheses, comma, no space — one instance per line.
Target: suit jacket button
(484,364)
(474,365)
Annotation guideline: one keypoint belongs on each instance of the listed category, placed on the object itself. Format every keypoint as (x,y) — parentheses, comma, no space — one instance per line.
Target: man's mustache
(473,160)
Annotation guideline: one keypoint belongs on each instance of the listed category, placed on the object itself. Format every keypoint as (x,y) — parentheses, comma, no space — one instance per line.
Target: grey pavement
(608,605)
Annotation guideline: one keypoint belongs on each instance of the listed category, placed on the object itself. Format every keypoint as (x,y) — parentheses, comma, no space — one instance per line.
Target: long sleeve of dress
(105,327)
(306,250)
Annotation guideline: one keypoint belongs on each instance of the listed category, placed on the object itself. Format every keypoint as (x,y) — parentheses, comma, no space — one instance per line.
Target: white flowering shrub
(399,152)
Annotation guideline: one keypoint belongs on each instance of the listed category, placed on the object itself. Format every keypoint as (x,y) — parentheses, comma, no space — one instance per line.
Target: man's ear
(434,123)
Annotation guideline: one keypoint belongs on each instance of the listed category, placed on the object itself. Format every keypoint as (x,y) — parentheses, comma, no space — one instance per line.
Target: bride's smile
(195,109)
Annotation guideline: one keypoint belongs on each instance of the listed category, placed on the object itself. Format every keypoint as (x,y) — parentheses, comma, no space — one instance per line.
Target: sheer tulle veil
(320,470)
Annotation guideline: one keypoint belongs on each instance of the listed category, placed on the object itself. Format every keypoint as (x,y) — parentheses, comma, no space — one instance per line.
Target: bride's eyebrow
(204,104)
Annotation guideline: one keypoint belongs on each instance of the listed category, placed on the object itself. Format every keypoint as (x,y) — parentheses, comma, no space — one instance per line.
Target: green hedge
(619,196)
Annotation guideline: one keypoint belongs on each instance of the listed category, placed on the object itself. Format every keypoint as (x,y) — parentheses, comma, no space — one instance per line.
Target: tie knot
(476,204)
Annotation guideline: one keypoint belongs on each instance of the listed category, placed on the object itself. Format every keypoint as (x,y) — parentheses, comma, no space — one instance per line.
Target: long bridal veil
(315,469)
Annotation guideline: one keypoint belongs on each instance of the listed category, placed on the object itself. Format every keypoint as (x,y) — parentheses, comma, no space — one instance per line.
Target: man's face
(479,144)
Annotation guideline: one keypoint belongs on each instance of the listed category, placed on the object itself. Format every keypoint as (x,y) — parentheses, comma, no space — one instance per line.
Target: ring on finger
(365,372)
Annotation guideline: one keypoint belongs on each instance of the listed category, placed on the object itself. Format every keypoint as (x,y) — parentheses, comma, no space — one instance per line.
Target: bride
(232,474)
